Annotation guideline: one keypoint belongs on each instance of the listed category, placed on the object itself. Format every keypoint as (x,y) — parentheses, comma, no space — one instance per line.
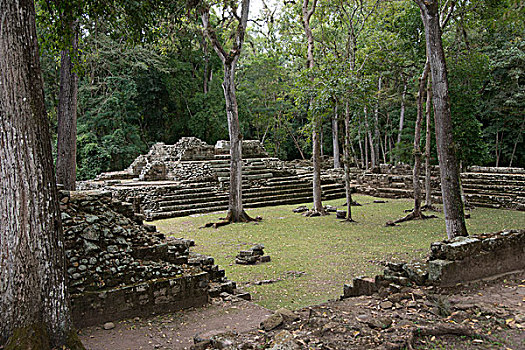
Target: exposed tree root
(412,216)
(440,330)
(430,208)
(244,217)
(314,213)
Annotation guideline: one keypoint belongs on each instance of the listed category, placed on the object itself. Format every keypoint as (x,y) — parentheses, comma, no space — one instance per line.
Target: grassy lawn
(314,257)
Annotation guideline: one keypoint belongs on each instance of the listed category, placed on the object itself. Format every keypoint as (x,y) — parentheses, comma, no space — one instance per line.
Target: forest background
(163,81)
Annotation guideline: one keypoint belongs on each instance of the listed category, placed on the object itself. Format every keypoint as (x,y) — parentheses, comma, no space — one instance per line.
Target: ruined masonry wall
(117,267)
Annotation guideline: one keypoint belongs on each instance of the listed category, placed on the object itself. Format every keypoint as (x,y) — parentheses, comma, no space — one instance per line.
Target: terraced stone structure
(192,177)
(482,186)
(119,268)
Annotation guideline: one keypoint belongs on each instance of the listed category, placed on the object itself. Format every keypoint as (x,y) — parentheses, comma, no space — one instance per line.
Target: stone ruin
(252,256)
(192,177)
(483,186)
(462,259)
(118,267)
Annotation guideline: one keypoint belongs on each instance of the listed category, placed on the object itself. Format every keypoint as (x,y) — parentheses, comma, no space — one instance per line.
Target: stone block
(360,286)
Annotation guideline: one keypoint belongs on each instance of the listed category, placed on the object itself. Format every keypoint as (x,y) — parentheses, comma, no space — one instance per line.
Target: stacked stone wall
(460,260)
(117,267)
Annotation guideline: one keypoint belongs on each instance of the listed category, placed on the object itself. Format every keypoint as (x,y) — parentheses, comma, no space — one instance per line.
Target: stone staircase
(483,187)
(198,198)
(495,190)
(262,186)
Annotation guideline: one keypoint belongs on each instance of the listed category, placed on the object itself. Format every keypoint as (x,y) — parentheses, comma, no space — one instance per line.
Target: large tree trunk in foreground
(448,164)
(67,118)
(428,175)
(335,139)
(316,144)
(33,297)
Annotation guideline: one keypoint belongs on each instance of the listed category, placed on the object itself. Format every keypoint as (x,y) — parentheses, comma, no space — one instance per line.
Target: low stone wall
(117,267)
(471,258)
(462,259)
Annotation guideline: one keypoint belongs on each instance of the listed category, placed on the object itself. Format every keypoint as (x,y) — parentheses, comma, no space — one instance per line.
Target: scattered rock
(287,315)
(108,325)
(300,209)
(272,322)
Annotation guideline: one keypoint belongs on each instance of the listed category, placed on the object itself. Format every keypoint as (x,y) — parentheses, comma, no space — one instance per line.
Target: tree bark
(316,147)
(377,134)
(371,140)
(428,175)
(361,145)
(335,139)
(348,188)
(448,164)
(402,113)
(33,294)
(67,117)
(229,60)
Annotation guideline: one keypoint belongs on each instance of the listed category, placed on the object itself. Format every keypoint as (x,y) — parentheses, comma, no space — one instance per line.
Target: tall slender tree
(307,13)
(229,60)
(34,308)
(448,163)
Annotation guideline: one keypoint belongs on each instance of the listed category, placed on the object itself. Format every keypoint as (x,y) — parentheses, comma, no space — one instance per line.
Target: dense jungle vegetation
(148,75)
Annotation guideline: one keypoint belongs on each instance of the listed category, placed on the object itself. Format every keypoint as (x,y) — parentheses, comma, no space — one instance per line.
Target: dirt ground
(481,315)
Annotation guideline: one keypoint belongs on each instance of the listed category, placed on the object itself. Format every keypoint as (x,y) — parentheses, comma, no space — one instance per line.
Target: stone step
(194,205)
(178,213)
(493,182)
(496,190)
(247,177)
(202,199)
(493,176)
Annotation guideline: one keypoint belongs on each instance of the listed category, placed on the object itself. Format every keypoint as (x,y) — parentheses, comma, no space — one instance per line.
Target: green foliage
(142,70)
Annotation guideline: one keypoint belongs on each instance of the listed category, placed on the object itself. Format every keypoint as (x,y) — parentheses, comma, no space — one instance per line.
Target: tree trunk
(348,188)
(402,113)
(428,175)
(67,117)
(316,147)
(417,140)
(229,60)
(371,140)
(448,164)
(520,135)
(360,145)
(335,139)
(377,134)
(34,304)
(235,199)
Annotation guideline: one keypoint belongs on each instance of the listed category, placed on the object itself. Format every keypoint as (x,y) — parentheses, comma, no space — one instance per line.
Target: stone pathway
(175,331)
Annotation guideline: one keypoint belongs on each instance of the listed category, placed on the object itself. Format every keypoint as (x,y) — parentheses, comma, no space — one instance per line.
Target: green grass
(328,251)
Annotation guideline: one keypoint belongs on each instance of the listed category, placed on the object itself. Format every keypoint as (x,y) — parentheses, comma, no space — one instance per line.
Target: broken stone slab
(265,259)
(287,315)
(360,286)
(340,214)
(272,322)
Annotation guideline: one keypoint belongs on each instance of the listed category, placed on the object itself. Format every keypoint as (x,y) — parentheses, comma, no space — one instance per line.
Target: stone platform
(192,177)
